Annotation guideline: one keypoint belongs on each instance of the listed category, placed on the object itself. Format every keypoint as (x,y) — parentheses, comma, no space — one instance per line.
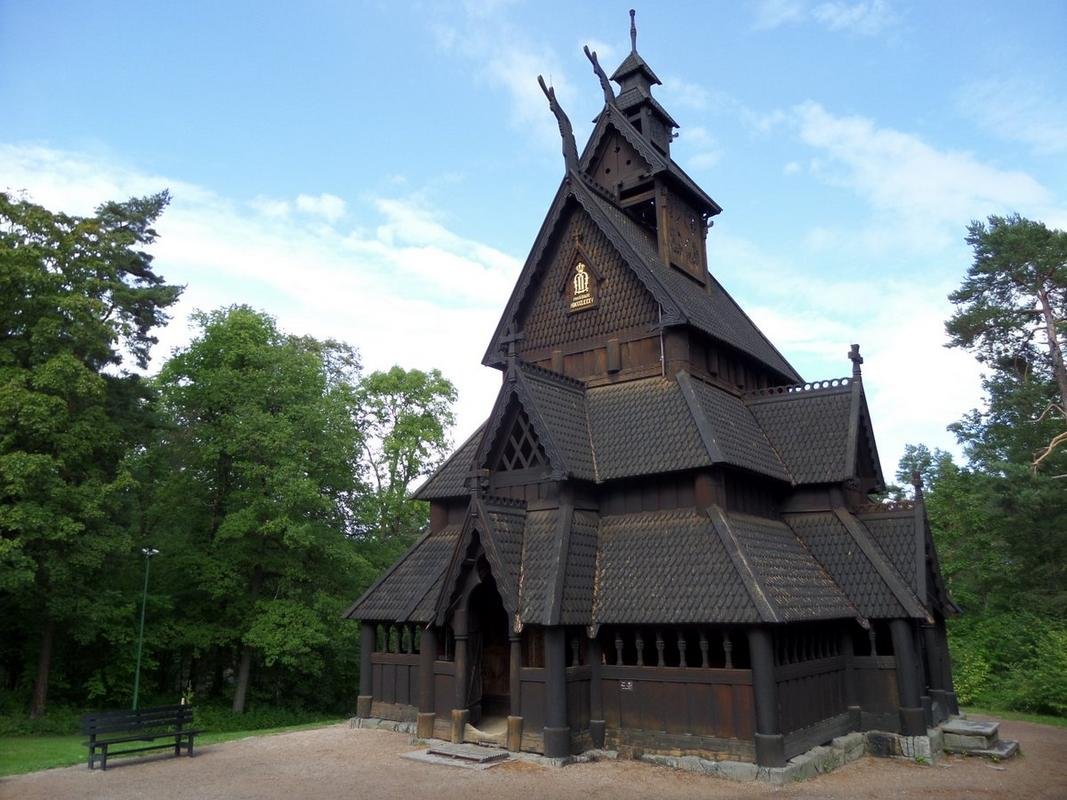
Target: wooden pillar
(852,702)
(427,655)
(557,733)
(460,713)
(770,744)
(912,722)
(366,670)
(597,725)
(515,687)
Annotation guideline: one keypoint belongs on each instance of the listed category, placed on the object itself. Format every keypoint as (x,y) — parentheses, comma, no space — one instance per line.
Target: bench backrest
(142,719)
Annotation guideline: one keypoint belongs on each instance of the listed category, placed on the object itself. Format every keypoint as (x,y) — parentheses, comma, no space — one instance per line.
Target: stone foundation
(814,762)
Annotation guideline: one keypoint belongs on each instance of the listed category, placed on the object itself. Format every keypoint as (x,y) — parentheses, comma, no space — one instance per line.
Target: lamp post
(148,553)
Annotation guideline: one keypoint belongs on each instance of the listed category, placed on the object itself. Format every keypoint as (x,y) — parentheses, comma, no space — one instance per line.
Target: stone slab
(1001,750)
(468,752)
(426,757)
(972,727)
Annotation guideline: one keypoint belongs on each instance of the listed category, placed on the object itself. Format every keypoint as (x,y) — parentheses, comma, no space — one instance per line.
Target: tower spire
(633,31)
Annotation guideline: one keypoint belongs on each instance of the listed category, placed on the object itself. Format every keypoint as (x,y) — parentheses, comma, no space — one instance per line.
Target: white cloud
(868,17)
(791,168)
(703,149)
(513,68)
(775,13)
(270,207)
(408,292)
(328,206)
(922,195)
(683,93)
(864,17)
(915,386)
(1019,111)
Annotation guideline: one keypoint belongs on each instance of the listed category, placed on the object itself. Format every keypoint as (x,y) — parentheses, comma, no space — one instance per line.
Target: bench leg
(178,745)
(92,756)
(189,749)
(103,759)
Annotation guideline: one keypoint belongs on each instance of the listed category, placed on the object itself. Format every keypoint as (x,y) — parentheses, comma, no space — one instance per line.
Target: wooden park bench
(113,733)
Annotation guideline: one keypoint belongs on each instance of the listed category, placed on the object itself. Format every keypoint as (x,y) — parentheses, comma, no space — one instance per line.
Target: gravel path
(342,762)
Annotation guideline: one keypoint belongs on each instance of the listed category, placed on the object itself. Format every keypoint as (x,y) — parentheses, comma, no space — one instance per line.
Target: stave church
(662,539)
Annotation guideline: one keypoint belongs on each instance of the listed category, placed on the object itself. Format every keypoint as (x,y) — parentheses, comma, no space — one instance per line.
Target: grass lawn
(1042,719)
(30,753)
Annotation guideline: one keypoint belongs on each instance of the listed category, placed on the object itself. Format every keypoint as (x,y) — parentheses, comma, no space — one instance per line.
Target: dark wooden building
(662,537)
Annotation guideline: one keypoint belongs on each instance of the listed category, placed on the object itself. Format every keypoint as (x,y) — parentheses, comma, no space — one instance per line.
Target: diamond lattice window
(522,449)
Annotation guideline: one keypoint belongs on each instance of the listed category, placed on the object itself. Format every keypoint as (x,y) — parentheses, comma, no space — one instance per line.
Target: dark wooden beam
(557,734)
(770,744)
(366,670)
(427,654)
(912,721)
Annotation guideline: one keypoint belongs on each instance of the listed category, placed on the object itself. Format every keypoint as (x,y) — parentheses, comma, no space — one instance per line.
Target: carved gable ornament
(581,287)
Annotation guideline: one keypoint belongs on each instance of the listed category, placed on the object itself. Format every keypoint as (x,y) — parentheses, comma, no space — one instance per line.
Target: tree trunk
(1058,369)
(44,667)
(242,680)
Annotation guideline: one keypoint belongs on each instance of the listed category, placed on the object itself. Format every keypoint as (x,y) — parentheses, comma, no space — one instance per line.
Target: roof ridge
(542,373)
(387,573)
(766,608)
(790,391)
(881,563)
(479,430)
(700,419)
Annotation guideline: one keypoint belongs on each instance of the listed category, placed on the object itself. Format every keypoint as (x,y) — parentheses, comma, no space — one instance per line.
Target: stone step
(968,734)
(468,752)
(1001,750)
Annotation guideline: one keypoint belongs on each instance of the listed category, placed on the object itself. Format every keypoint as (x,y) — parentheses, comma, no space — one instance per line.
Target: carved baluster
(639,641)
(681,649)
(575,651)
(659,648)
(728,650)
(872,640)
(703,649)
(618,648)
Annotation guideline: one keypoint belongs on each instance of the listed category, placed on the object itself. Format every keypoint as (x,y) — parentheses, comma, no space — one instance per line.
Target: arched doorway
(489,689)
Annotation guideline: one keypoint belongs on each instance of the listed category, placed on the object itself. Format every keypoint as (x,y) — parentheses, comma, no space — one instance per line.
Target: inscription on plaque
(626,686)
(583,294)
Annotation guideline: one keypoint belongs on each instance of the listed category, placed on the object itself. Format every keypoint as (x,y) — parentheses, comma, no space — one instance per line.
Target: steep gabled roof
(691,565)
(730,432)
(709,309)
(788,584)
(450,479)
(682,300)
(667,567)
(635,96)
(856,562)
(555,406)
(611,118)
(816,429)
(642,427)
(399,594)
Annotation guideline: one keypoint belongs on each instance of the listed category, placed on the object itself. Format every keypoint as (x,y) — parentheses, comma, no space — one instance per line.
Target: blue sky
(376,172)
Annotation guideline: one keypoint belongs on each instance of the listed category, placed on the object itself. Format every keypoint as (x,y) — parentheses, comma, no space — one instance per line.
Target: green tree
(263,460)
(78,296)
(1011,312)
(405,416)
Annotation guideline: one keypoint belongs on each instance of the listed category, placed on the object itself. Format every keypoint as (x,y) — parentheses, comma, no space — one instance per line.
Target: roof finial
(633,31)
(605,84)
(856,359)
(570,149)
